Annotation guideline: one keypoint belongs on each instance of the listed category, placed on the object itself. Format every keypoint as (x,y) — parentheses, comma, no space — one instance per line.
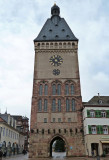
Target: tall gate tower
(56,111)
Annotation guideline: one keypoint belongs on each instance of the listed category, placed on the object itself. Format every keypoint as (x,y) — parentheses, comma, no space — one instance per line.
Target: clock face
(56,72)
(56,60)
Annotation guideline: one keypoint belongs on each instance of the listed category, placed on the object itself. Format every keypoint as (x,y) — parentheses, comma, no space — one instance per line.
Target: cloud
(20,23)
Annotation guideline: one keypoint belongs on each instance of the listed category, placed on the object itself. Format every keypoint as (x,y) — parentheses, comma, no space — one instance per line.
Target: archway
(58,147)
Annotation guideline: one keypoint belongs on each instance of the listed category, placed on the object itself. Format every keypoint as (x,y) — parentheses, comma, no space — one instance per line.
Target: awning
(104,141)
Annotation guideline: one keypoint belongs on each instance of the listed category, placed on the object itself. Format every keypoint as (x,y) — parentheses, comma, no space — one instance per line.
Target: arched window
(66,89)
(54,89)
(53,105)
(67,105)
(73,105)
(45,105)
(72,89)
(64,45)
(40,89)
(59,105)
(59,89)
(40,105)
(46,89)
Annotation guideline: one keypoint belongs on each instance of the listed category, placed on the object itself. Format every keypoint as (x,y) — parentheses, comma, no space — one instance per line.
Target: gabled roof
(56,29)
(98,100)
(2,120)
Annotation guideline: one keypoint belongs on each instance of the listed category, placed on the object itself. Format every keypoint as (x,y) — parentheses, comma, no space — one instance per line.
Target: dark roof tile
(55,26)
(98,100)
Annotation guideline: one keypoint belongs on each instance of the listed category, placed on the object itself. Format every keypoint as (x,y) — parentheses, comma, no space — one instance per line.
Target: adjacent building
(12,140)
(22,125)
(96,125)
(9,135)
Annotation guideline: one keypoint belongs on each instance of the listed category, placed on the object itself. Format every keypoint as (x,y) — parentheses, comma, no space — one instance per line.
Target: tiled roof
(2,120)
(56,29)
(98,100)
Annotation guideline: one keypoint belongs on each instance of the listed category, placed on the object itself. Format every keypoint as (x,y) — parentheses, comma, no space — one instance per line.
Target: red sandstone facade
(56,111)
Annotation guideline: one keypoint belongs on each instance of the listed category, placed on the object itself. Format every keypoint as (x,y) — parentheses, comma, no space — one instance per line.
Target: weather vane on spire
(54,2)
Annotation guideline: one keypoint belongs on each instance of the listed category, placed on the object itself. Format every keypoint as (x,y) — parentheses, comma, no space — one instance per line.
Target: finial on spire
(54,3)
(55,10)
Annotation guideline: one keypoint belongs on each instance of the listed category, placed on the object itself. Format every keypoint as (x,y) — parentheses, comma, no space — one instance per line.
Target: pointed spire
(6,111)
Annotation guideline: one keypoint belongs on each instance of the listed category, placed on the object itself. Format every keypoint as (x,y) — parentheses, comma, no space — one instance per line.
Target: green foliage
(59,146)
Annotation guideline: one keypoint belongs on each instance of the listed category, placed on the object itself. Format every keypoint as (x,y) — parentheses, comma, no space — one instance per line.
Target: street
(57,156)
(17,157)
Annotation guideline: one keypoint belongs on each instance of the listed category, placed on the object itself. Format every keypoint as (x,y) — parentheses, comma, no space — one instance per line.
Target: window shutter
(101,129)
(107,113)
(98,129)
(99,113)
(88,113)
(90,131)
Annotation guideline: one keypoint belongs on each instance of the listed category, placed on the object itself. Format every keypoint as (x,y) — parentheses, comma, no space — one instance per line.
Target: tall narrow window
(66,89)
(54,89)
(59,119)
(72,89)
(103,114)
(105,129)
(40,89)
(45,105)
(40,105)
(92,113)
(45,120)
(59,89)
(59,105)
(73,105)
(46,89)
(93,129)
(54,105)
(67,105)
(53,119)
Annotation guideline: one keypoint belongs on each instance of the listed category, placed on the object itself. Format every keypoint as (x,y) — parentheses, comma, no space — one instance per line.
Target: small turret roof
(56,28)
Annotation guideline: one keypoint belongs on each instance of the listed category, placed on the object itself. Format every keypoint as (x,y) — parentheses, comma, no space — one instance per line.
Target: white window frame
(94,129)
(105,130)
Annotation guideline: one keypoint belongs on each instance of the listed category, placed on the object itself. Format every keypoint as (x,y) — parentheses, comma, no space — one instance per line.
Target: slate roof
(98,100)
(2,120)
(56,29)
(17,117)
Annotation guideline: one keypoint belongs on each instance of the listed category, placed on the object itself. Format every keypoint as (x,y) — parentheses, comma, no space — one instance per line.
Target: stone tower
(56,111)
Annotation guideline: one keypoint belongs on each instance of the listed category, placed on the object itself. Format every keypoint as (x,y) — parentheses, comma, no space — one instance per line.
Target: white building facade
(11,141)
(96,126)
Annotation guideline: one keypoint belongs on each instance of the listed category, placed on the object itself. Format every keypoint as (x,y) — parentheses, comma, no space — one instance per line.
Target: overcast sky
(20,23)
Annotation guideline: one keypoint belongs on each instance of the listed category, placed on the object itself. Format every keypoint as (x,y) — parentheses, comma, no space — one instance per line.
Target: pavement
(25,157)
(17,157)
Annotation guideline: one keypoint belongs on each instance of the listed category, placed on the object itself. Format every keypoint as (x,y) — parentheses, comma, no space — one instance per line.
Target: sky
(20,23)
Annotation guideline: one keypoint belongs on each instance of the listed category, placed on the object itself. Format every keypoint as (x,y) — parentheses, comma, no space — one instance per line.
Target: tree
(59,146)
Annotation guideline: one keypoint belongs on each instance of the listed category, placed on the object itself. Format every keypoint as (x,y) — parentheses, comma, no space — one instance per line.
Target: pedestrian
(92,153)
(1,154)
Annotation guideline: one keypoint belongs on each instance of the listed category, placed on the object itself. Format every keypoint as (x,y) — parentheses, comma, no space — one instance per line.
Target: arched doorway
(58,147)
